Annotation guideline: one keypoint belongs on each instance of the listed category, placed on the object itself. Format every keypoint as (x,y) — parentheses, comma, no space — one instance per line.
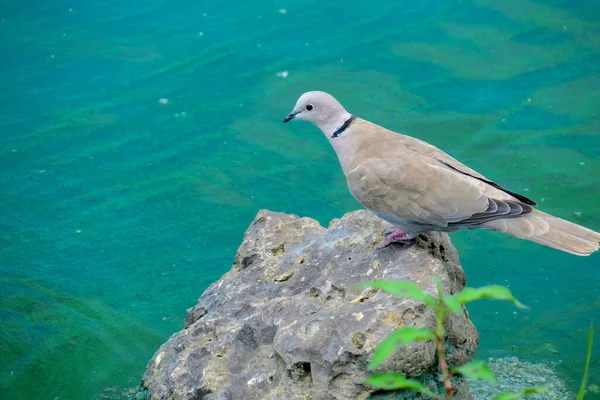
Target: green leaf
(521,394)
(586,373)
(453,304)
(397,339)
(402,288)
(487,292)
(477,370)
(391,381)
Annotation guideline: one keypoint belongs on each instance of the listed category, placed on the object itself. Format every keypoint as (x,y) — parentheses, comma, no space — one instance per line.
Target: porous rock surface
(288,322)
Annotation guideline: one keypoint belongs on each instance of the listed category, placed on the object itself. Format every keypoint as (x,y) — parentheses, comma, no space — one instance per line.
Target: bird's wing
(428,150)
(411,186)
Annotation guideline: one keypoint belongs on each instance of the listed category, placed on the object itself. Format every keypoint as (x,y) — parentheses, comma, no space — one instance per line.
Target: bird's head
(320,108)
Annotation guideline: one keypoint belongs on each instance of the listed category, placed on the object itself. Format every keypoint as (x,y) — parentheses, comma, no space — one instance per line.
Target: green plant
(588,357)
(443,307)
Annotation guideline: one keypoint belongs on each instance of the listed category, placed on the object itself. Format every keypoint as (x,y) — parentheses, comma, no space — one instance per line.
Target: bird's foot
(395,235)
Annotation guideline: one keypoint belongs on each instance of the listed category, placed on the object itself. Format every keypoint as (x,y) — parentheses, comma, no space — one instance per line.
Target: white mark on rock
(258,379)
(358,316)
(313,327)
(290,325)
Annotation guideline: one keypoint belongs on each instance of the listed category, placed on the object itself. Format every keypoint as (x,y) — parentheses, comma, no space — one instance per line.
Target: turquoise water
(118,210)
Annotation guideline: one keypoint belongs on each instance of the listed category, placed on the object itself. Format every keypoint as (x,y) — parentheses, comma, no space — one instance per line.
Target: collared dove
(418,188)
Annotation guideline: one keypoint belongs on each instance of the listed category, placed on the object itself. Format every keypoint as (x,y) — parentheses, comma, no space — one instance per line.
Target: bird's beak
(291,116)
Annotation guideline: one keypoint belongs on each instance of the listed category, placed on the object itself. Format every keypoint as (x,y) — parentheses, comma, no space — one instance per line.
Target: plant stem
(440,349)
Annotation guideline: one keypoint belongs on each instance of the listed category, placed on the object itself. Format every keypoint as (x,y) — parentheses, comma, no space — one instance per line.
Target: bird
(418,188)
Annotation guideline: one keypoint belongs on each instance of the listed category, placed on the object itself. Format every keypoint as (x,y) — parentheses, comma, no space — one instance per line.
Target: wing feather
(403,177)
(427,194)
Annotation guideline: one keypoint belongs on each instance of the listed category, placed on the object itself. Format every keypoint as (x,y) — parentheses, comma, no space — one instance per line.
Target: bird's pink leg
(394,235)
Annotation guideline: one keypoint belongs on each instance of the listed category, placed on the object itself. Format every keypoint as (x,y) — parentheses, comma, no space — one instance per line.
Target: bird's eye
(309,107)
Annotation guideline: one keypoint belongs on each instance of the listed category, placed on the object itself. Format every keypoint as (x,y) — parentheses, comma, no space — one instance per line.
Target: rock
(514,375)
(288,322)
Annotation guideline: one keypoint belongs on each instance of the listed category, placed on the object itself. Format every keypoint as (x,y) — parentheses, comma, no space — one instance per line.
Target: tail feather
(550,231)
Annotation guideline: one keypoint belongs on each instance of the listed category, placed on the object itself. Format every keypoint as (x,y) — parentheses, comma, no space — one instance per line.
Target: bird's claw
(394,235)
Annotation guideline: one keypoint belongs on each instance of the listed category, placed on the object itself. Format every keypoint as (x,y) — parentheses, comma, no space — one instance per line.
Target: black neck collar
(344,126)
